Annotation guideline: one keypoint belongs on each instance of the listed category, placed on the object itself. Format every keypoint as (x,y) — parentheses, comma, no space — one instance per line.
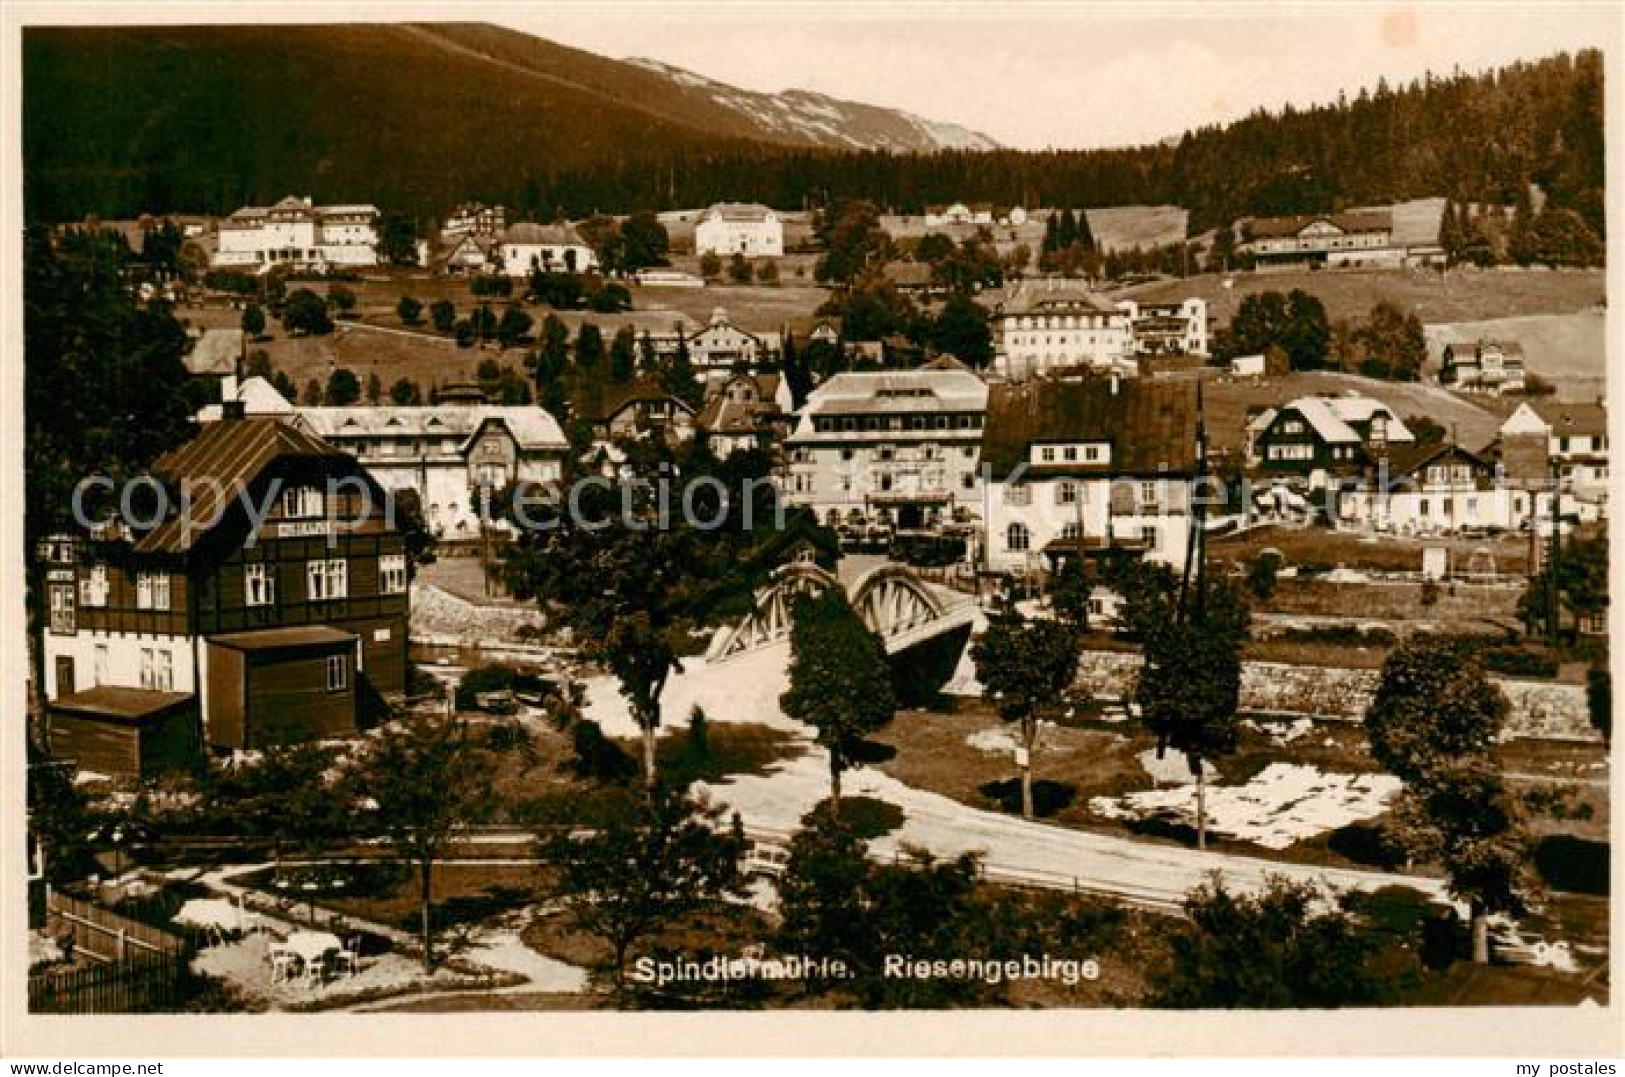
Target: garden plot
(1284,804)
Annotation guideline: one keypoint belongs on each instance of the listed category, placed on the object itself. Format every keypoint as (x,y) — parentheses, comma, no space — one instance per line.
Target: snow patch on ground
(1284,804)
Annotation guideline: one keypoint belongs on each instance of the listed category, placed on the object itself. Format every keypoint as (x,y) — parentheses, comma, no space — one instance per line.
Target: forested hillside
(121,121)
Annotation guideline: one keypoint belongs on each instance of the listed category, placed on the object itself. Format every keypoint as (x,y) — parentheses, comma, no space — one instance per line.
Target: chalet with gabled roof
(262,600)
(1313,438)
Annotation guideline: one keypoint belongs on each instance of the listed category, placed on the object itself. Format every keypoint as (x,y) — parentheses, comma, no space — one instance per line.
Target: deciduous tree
(840,681)
(428,776)
(1434,723)
(1026,667)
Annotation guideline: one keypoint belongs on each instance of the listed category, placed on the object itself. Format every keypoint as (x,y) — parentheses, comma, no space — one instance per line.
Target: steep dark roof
(1151,425)
(600,403)
(217,466)
(1409,459)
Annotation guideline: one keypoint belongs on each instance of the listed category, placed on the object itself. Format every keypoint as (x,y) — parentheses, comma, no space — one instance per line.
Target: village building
(974,213)
(466,254)
(800,333)
(1046,325)
(216,353)
(746,228)
(1312,439)
(297,234)
(1249,366)
(911,278)
(475,219)
(1095,466)
(897,448)
(1168,328)
(745,411)
(722,345)
(207,622)
(552,248)
(1488,366)
(1362,239)
(447,453)
(640,408)
(1437,489)
(1544,435)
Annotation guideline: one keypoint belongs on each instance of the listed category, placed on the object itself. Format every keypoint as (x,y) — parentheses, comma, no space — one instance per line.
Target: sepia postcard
(774,529)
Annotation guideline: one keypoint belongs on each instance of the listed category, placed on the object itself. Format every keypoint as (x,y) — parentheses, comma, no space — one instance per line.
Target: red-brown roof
(217,466)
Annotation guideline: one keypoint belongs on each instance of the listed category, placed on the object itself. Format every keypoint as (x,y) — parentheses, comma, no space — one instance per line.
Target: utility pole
(1554,603)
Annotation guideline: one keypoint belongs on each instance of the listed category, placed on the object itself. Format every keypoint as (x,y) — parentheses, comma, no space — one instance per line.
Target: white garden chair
(349,958)
(284,965)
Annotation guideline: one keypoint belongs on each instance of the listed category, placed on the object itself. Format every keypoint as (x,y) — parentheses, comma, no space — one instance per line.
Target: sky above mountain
(1074,76)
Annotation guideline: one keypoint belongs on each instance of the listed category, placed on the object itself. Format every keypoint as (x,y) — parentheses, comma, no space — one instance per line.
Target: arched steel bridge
(894,603)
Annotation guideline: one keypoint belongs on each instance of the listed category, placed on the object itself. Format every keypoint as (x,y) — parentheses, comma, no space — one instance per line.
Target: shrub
(1518,662)
(475,682)
(1339,636)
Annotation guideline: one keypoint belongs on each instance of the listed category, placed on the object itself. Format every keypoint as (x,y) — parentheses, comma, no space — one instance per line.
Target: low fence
(106,935)
(139,969)
(141,983)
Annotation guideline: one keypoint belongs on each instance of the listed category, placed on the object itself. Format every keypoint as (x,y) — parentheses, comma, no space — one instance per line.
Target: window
(63,621)
(392,574)
(1071,532)
(301,502)
(1091,454)
(157,669)
(1047,454)
(1018,493)
(967,481)
(1148,493)
(338,672)
(1070,453)
(1066,493)
(259,585)
(327,579)
(1148,535)
(1016,537)
(93,588)
(99,668)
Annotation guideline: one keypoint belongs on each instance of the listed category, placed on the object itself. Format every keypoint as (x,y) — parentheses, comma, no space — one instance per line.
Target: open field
(1568,350)
(1121,228)
(421,357)
(1227,400)
(1462,295)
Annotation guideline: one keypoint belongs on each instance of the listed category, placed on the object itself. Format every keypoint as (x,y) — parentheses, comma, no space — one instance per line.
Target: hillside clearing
(1462,295)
